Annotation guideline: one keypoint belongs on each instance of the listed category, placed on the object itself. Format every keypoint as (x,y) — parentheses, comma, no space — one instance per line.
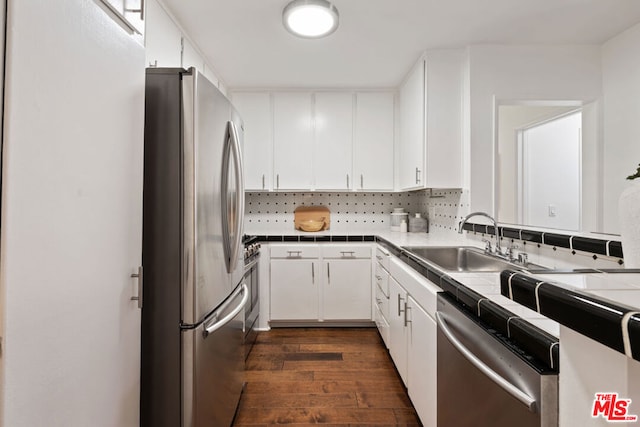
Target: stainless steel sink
(462,258)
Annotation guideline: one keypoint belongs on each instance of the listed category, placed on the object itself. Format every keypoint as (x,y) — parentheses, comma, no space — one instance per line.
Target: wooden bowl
(311,225)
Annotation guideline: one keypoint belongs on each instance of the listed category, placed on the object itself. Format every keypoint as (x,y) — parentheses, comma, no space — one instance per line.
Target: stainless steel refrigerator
(192,316)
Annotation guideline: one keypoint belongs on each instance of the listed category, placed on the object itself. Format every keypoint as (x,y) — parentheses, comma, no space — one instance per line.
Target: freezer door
(206,278)
(213,367)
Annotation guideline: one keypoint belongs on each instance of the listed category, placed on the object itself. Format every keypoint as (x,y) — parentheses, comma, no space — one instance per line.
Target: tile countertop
(604,306)
(480,292)
(527,309)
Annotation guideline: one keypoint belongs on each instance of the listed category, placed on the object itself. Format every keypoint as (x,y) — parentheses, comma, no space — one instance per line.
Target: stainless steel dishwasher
(482,382)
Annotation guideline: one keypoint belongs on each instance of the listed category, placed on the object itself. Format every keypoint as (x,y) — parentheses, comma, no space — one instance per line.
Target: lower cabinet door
(422,366)
(347,289)
(295,290)
(397,328)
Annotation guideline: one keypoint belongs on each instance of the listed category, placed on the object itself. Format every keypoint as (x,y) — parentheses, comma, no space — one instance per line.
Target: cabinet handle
(263,181)
(290,254)
(406,310)
(277,181)
(313,273)
(361,181)
(417,176)
(378,277)
(379,301)
(400,311)
(379,257)
(344,254)
(328,274)
(347,181)
(138,275)
(139,10)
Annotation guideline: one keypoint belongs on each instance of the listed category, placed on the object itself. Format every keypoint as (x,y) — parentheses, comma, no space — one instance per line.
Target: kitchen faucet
(495,228)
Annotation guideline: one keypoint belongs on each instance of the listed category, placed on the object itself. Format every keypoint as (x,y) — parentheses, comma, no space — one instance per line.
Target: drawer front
(422,290)
(346,251)
(382,302)
(383,257)
(382,279)
(383,326)
(295,251)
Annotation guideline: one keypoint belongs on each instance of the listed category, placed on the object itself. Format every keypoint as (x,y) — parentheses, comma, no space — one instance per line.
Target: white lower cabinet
(347,290)
(295,290)
(397,327)
(413,336)
(320,283)
(421,363)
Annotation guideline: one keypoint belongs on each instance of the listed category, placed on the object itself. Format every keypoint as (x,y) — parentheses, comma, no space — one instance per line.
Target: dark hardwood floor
(327,376)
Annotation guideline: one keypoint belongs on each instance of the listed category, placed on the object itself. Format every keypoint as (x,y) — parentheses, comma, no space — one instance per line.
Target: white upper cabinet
(333,141)
(255,110)
(444,71)
(412,119)
(336,141)
(431,122)
(163,39)
(292,141)
(373,141)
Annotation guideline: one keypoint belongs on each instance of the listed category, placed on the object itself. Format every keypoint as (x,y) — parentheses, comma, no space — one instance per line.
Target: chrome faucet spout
(495,227)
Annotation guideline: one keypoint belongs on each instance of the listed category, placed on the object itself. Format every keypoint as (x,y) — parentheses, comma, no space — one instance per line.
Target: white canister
(397,216)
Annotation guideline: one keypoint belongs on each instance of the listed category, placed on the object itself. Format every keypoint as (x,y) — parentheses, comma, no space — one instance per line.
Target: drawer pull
(294,254)
(378,277)
(379,257)
(348,254)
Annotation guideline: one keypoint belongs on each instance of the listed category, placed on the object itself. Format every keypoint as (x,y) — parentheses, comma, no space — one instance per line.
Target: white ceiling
(379,40)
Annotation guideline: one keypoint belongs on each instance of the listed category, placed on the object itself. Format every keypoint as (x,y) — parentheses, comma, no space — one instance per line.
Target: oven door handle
(251,264)
(514,391)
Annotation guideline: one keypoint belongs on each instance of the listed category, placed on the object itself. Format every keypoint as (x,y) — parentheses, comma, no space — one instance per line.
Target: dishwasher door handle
(514,391)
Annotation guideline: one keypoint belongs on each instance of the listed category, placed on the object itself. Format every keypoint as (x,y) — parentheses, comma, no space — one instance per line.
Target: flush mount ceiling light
(310,18)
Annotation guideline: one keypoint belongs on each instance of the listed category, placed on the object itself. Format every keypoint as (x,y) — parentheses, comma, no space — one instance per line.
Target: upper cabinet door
(163,39)
(412,135)
(373,141)
(444,71)
(255,109)
(333,141)
(292,141)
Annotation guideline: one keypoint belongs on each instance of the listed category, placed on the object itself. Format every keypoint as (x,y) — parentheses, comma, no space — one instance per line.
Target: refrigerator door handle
(237,157)
(216,323)
(232,150)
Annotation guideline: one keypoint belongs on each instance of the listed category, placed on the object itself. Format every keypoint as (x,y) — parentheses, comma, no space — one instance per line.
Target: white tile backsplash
(444,208)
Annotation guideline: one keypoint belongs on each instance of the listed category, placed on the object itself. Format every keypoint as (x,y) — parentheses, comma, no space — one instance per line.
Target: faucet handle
(487,246)
(523,258)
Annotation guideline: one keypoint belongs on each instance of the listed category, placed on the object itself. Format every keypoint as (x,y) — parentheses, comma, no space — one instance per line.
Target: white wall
(621,87)
(71,217)
(520,72)
(551,157)
(510,119)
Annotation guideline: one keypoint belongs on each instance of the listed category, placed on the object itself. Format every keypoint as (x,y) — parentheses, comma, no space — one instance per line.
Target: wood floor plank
(252,416)
(278,387)
(332,365)
(278,376)
(386,399)
(333,377)
(301,400)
